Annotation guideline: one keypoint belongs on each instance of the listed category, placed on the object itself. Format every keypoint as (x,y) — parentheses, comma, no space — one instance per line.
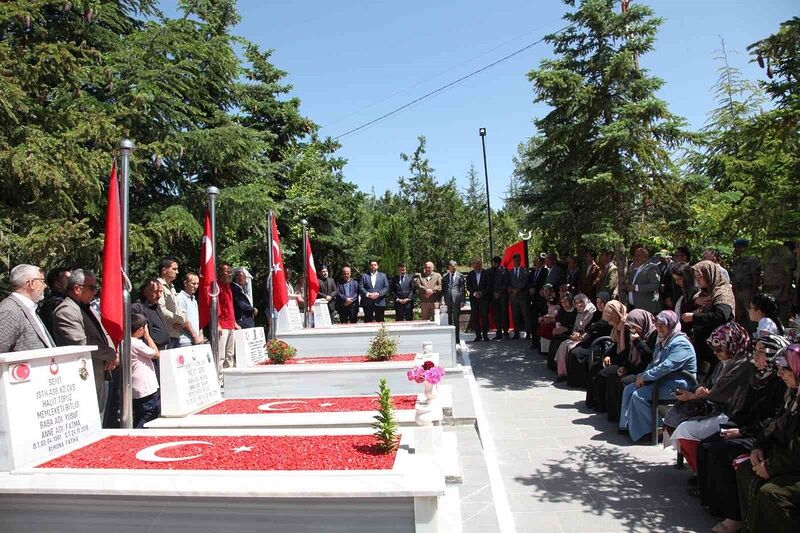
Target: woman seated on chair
(642,334)
(699,413)
(614,313)
(577,360)
(716,476)
(673,353)
(587,314)
(565,321)
(769,483)
(547,322)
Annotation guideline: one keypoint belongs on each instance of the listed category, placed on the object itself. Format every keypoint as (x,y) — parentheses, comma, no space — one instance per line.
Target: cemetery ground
(563,466)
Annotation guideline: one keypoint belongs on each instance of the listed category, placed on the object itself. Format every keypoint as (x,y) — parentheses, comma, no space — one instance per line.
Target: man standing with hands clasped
(429,288)
(518,295)
(403,293)
(347,298)
(453,287)
(479,285)
(373,288)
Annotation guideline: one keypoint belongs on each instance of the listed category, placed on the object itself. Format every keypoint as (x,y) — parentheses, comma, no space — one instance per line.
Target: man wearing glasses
(20,326)
(75,323)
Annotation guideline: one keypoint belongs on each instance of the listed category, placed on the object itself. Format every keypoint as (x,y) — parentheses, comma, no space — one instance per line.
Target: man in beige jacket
(173,314)
(429,289)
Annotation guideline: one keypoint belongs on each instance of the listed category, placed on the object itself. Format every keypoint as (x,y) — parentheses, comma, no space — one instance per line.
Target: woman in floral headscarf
(699,413)
(673,353)
(769,483)
(716,307)
(716,476)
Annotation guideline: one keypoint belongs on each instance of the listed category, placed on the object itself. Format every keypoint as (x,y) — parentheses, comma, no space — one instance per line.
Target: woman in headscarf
(683,278)
(673,353)
(565,321)
(716,476)
(769,482)
(700,412)
(577,368)
(614,313)
(587,314)
(716,306)
(547,322)
(641,326)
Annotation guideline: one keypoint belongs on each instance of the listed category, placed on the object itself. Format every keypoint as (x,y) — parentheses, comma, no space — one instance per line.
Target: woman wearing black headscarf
(577,364)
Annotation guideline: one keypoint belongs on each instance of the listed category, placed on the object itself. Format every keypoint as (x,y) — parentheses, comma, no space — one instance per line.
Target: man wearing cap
(745,279)
(500,297)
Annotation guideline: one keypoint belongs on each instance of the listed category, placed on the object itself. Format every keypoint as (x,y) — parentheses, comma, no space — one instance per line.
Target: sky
(351,62)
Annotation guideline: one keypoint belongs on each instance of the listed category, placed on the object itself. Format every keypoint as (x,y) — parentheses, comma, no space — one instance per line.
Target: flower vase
(431,391)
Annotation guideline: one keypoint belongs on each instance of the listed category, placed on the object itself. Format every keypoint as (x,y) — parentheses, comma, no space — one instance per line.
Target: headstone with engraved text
(189,380)
(250,347)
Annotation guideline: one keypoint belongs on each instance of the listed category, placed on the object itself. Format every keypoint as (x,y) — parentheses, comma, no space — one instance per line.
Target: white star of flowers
(242,449)
(326,404)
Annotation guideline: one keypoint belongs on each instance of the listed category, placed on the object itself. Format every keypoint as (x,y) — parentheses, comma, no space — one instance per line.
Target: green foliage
(279,351)
(385,424)
(382,346)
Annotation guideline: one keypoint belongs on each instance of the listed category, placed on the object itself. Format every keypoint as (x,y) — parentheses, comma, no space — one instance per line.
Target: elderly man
(226,319)
(20,327)
(327,289)
(642,283)
(75,323)
(187,303)
(347,297)
(453,285)
(243,308)
(429,289)
(168,272)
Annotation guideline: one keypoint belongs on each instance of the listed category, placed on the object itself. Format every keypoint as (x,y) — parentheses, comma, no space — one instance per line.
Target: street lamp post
(482,133)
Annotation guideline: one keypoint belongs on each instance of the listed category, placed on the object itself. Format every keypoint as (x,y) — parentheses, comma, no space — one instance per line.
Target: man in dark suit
(57,284)
(75,323)
(453,290)
(590,278)
(573,274)
(20,327)
(243,308)
(373,288)
(479,285)
(327,289)
(347,298)
(500,297)
(403,292)
(518,295)
(536,280)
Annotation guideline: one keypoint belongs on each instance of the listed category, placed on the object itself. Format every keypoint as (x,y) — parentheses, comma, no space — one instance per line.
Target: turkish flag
(208,274)
(516,248)
(111,312)
(280,293)
(312,282)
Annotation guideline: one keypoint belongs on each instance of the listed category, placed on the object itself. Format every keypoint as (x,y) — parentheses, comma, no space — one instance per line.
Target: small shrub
(382,347)
(279,352)
(385,424)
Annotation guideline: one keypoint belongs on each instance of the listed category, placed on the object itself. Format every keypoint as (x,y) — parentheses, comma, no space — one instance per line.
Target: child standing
(146,397)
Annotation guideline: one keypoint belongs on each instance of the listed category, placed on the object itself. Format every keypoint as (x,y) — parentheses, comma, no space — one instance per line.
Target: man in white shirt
(373,288)
(187,304)
(146,396)
(20,326)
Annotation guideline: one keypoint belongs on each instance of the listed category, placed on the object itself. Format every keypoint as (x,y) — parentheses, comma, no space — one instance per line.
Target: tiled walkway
(564,467)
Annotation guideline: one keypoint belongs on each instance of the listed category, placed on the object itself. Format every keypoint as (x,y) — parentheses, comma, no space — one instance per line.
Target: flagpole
(126,147)
(213,319)
(307,314)
(270,301)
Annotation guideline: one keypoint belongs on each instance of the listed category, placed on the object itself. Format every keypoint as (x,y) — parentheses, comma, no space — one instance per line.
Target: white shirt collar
(24,300)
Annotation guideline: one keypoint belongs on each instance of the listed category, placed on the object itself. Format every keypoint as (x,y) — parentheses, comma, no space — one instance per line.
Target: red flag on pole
(280,293)
(208,274)
(312,282)
(516,248)
(111,298)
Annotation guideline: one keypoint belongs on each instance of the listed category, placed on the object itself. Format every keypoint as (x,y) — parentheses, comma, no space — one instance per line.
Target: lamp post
(482,133)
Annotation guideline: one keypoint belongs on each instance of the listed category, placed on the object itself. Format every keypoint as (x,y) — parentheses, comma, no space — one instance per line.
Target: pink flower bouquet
(427,372)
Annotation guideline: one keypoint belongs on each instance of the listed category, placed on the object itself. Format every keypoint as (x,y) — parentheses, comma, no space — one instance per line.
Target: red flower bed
(306,405)
(341,359)
(205,452)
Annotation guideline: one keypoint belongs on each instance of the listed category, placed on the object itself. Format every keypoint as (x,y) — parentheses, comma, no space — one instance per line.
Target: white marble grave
(250,345)
(322,315)
(189,381)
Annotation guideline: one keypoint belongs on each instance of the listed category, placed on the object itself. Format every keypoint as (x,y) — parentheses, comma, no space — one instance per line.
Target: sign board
(289,318)
(250,347)
(322,315)
(48,402)
(189,380)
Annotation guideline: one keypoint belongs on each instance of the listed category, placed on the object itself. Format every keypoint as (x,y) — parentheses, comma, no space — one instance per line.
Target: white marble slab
(250,346)
(189,380)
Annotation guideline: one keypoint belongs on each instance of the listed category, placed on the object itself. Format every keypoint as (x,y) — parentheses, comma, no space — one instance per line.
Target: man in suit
(403,292)
(20,327)
(573,274)
(590,279)
(556,273)
(479,285)
(453,289)
(373,288)
(57,285)
(429,289)
(75,323)
(537,277)
(327,289)
(642,283)
(243,309)
(347,298)
(518,295)
(500,297)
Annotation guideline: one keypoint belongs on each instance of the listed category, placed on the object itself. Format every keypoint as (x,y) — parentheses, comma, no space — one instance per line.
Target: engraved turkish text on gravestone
(188,380)
(250,347)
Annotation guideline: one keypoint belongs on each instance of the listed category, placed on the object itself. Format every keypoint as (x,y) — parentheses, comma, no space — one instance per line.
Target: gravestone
(322,315)
(47,403)
(189,380)
(250,347)
(289,318)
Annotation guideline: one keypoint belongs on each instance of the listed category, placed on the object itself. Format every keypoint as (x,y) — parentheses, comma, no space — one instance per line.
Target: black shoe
(516,336)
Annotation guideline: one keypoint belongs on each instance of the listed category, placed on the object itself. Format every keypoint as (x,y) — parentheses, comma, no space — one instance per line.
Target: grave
(204,480)
(250,346)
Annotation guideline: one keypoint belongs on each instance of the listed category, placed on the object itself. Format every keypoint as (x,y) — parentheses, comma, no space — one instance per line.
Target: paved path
(564,467)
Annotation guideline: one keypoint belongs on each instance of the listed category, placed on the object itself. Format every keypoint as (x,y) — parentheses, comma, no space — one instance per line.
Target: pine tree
(385,424)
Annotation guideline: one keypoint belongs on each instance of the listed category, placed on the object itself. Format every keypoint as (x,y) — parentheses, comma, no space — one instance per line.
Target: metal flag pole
(307,314)
(482,133)
(270,304)
(213,319)
(126,147)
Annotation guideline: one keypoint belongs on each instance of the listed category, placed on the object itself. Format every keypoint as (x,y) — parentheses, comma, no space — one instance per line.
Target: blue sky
(343,57)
